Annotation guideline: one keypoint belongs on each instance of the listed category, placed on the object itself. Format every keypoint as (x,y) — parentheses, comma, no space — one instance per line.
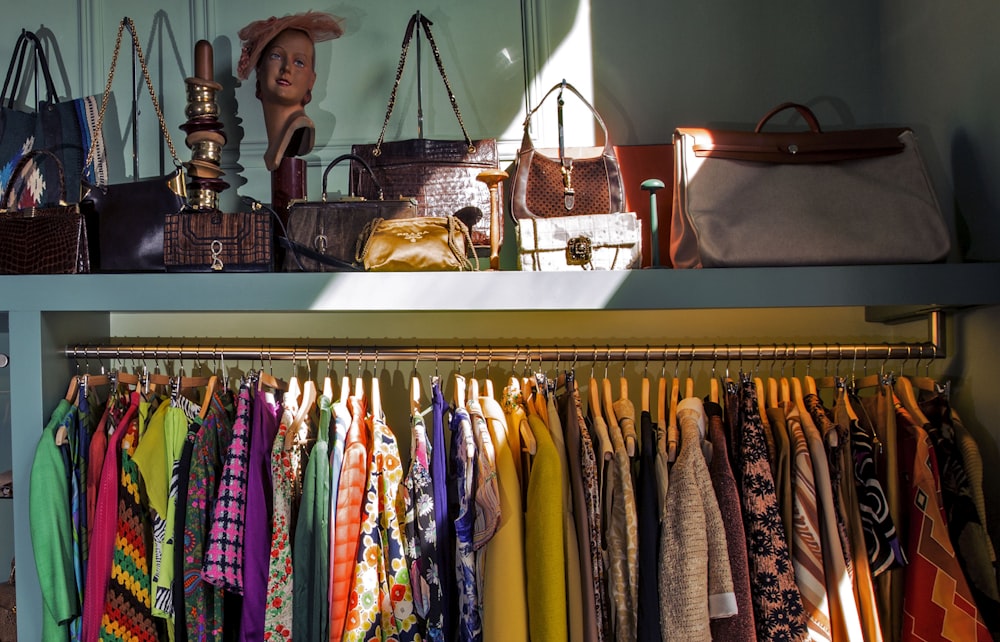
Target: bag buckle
(567,175)
(579,250)
(217,248)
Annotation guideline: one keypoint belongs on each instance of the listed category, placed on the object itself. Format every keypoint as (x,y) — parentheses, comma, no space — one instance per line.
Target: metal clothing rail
(593,353)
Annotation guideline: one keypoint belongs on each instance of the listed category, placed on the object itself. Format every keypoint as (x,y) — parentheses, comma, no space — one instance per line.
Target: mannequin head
(282,54)
(286,70)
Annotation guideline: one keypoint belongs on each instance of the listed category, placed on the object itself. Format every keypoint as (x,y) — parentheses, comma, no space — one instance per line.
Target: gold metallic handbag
(420,244)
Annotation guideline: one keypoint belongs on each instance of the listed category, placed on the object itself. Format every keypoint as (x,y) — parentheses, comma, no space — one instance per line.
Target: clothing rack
(593,353)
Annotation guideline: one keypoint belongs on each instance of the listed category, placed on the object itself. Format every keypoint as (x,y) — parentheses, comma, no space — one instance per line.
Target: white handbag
(584,242)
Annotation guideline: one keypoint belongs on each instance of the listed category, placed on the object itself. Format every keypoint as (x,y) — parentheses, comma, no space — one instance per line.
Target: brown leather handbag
(322,235)
(439,174)
(42,240)
(563,185)
(219,241)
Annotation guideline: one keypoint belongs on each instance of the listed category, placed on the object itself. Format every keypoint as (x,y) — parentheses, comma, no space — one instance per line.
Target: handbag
(420,244)
(196,241)
(564,185)
(323,236)
(129,217)
(587,242)
(802,198)
(42,240)
(440,174)
(67,128)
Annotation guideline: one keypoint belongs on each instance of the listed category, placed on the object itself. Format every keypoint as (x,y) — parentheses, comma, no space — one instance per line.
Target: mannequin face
(285,74)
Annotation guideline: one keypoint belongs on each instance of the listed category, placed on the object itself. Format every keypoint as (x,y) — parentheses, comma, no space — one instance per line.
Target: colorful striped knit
(127,604)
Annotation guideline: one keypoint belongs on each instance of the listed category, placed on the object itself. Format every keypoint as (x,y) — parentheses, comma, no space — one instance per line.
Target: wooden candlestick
(204,60)
(492,178)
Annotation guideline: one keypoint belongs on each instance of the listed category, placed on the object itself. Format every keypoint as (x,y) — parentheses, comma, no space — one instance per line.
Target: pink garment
(102,543)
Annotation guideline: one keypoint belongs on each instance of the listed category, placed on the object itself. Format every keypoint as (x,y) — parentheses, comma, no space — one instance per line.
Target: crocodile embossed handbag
(440,174)
(42,240)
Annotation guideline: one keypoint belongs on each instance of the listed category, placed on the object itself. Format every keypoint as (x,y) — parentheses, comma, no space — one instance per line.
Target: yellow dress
(543,540)
(505,605)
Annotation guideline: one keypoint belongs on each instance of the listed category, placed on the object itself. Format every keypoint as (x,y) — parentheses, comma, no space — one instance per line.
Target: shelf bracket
(893,314)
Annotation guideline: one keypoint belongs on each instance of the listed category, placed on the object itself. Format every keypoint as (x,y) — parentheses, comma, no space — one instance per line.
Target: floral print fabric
(380,604)
(778,612)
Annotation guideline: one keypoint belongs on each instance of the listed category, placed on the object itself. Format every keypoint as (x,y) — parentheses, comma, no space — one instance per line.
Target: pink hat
(258,34)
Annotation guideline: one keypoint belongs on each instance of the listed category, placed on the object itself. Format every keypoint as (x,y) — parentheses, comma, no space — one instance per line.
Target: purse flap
(792,147)
(618,229)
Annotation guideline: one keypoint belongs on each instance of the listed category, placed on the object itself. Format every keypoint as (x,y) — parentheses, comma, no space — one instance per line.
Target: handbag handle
(363,163)
(560,86)
(24,41)
(418,21)
(126,21)
(804,111)
(20,167)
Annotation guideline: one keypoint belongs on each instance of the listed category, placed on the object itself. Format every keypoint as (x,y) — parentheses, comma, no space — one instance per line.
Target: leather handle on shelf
(804,111)
(363,163)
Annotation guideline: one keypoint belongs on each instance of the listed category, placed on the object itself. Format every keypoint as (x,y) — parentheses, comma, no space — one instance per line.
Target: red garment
(102,544)
(937,604)
(353,478)
(95,460)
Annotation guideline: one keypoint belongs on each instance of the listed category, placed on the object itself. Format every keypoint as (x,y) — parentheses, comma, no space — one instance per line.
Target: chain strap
(412,28)
(126,21)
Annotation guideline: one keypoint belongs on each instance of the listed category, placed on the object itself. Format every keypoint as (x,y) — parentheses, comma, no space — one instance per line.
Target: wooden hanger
(673,432)
(414,394)
(540,397)
(460,390)
(845,399)
(904,391)
(713,390)
(345,388)
(624,400)
(594,396)
(328,387)
(661,415)
(472,393)
(73,389)
(375,408)
(306,403)
(596,413)
(206,399)
(644,396)
(810,384)
(128,379)
(266,379)
(607,404)
(772,392)
(488,389)
(758,384)
(359,387)
(524,429)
